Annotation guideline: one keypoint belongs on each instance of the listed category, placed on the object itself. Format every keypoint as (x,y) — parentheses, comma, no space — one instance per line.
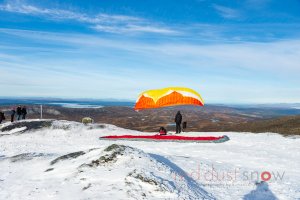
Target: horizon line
(133,101)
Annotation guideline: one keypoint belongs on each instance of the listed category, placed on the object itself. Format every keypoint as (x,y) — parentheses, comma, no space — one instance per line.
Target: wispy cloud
(265,55)
(134,29)
(246,70)
(101,22)
(226,12)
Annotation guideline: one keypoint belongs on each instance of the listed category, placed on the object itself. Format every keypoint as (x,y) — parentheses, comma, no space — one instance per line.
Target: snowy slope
(66,160)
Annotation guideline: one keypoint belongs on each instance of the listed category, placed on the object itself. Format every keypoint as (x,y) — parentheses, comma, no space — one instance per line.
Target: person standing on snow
(12,114)
(19,113)
(2,117)
(24,112)
(178,119)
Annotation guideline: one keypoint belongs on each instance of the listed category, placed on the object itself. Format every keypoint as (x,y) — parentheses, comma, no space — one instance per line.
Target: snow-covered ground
(66,160)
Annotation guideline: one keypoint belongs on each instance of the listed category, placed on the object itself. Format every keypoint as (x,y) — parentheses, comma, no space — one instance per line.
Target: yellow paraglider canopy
(168,97)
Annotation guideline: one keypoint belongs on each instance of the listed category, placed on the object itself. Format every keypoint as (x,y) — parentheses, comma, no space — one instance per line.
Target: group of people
(19,112)
(178,121)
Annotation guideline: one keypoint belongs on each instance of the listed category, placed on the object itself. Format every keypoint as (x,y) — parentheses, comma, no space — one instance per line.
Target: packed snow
(52,159)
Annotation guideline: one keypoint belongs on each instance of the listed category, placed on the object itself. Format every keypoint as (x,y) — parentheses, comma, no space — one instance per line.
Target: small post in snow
(41,111)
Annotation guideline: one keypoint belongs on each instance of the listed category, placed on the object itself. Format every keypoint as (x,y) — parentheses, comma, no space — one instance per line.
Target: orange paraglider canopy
(168,97)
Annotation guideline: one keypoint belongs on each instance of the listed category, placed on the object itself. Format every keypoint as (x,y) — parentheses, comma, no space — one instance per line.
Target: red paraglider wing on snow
(166,138)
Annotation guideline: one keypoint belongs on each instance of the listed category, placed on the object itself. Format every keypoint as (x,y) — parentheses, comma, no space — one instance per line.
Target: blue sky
(229,51)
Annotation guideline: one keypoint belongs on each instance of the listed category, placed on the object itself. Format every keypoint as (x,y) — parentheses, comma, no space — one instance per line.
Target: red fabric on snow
(161,137)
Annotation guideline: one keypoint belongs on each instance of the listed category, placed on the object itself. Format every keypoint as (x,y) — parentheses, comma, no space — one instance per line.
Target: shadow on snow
(191,183)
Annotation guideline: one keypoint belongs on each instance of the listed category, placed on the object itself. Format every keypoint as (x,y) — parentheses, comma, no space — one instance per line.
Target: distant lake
(64,103)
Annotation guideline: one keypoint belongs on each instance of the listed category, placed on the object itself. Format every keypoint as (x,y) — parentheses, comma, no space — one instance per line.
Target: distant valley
(210,118)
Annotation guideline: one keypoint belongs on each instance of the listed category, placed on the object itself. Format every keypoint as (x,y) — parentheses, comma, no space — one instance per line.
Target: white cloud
(227,12)
(277,57)
(134,29)
(100,22)
(245,70)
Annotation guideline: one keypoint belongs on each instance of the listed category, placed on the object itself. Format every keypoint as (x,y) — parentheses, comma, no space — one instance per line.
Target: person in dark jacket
(19,113)
(12,114)
(178,120)
(24,112)
(2,117)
